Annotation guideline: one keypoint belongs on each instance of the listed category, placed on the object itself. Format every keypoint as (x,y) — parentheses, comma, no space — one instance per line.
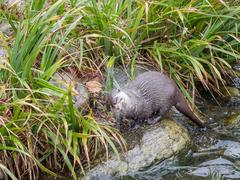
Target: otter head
(120,101)
(123,104)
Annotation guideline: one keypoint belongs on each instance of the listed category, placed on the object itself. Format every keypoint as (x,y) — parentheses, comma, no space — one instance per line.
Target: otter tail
(183,107)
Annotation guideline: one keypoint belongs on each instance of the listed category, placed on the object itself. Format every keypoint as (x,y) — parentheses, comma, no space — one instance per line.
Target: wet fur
(148,98)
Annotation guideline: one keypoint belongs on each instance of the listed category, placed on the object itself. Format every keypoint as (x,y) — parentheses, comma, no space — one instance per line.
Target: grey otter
(148,98)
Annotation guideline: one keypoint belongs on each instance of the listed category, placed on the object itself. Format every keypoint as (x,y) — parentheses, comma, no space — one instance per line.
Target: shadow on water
(214,153)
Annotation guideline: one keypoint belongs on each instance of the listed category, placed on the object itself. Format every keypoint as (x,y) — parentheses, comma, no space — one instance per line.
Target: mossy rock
(232,120)
(231,92)
(158,142)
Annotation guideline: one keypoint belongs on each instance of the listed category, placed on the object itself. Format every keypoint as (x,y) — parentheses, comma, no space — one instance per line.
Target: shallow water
(214,153)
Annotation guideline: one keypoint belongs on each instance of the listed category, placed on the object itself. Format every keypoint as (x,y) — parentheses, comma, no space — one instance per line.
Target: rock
(233,102)
(233,120)
(5,28)
(3,53)
(231,91)
(236,67)
(19,3)
(101,177)
(79,92)
(229,149)
(232,149)
(219,167)
(236,82)
(158,142)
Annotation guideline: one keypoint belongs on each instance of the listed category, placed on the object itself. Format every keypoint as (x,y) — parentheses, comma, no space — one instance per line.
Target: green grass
(41,131)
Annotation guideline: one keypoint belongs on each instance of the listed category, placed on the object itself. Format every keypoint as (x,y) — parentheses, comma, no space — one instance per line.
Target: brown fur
(149,94)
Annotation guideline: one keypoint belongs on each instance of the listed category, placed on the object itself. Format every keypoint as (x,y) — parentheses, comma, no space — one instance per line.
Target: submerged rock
(231,148)
(158,142)
(236,67)
(228,149)
(220,167)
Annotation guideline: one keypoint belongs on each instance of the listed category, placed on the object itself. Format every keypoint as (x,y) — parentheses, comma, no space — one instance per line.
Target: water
(214,153)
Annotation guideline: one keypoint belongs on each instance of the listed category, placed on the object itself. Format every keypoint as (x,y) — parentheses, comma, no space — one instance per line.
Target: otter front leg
(118,123)
(154,120)
(136,122)
(118,119)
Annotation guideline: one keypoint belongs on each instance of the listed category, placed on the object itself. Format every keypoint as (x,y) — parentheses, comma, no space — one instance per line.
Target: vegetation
(41,131)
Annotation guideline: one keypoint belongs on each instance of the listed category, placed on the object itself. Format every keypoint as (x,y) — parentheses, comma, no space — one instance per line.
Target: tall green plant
(187,39)
(40,128)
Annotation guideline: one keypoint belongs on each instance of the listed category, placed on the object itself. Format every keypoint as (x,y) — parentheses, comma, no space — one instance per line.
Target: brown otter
(148,98)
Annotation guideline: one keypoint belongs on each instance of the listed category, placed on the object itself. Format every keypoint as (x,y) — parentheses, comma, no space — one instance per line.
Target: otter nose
(117,107)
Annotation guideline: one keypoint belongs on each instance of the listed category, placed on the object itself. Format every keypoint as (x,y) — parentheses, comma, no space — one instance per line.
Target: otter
(148,98)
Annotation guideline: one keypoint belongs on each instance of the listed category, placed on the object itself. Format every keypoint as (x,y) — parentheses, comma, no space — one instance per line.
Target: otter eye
(114,102)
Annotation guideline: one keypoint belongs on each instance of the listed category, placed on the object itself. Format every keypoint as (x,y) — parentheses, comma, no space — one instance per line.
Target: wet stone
(218,168)
(231,92)
(232,102)
(158,142)
(232,121)
(5,28)
(230,149)
(236,82)
(101,177)
(3,53)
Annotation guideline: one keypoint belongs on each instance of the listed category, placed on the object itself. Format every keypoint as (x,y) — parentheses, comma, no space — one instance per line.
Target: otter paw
(118,126)
(153,120)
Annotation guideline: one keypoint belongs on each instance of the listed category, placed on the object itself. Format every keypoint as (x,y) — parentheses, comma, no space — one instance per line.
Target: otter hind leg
(118,119)
(160,114)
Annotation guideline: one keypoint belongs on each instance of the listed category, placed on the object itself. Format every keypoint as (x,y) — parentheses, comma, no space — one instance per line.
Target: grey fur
(151,94)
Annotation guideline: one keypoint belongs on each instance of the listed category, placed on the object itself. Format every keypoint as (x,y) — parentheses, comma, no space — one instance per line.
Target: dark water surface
(214,153)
